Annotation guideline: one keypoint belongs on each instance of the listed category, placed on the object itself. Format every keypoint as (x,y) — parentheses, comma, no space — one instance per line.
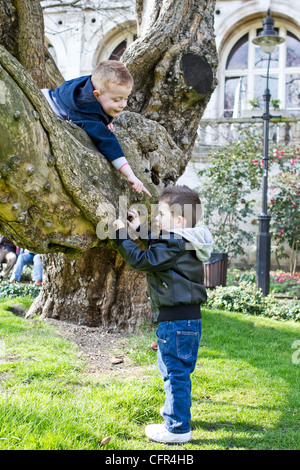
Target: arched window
(246,67)
(115,42)
(118,51)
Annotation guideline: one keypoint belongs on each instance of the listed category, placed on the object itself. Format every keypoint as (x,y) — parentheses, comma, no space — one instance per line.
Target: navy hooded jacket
(76,99)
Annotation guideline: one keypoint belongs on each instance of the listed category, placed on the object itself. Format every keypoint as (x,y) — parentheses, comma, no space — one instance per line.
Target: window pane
(235,96)
(260,83)
(292,50)
(238,57)
(292,91)
(118,51)
(261,59)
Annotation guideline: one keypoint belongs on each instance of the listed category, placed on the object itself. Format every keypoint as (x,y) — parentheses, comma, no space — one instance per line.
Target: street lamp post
(268,40)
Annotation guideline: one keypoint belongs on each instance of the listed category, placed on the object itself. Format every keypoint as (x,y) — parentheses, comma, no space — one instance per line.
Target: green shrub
(281,282)
(227,186)
(284,209)
(8,289)
(282,310)
(246,298)
(236,275)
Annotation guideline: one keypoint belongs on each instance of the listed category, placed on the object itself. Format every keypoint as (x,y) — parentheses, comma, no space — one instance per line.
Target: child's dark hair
(183,201)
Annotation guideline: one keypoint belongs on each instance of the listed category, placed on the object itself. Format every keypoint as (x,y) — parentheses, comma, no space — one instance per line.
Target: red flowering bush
(284,208)
(227,185)
(285,283)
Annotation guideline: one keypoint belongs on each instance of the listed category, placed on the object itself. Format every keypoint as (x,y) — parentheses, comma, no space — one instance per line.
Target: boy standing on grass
(92,102)
(173,264)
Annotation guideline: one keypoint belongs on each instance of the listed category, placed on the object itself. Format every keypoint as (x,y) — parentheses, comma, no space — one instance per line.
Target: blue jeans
(28,258)
(178,343)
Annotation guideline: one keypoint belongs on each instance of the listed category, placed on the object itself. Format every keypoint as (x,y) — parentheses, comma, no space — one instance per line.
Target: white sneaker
(158,433)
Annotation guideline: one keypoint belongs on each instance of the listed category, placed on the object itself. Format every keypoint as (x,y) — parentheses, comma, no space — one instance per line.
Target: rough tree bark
(22,34)
(54,188)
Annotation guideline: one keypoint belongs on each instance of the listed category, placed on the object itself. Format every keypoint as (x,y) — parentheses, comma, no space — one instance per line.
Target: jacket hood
(78,95)
(200,240)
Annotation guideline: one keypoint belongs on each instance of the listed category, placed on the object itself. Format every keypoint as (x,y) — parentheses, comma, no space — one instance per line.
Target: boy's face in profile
(113,99)
(166,219)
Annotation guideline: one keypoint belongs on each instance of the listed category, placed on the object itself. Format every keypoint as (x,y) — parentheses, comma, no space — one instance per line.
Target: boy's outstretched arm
(158,257)
(136,185)
(107,143)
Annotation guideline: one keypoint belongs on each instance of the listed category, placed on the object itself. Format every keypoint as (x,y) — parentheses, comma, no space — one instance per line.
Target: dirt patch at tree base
(102,350)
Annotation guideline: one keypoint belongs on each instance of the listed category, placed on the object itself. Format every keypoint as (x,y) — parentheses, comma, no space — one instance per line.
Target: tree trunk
(98,289)
(173,63)
(22,34)
(58,196)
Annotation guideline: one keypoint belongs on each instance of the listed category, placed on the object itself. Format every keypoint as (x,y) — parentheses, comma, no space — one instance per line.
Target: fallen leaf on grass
(116,360)
(105,441)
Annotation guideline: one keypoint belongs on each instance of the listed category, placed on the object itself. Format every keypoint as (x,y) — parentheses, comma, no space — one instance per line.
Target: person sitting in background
(7,255)
(26,257)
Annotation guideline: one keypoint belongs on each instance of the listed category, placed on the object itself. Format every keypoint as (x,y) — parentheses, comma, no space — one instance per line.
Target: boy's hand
(117,224)
(137,186)
(133,219)
(110,126)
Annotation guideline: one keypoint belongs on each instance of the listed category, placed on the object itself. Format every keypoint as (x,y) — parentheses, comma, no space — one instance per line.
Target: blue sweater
(76,99)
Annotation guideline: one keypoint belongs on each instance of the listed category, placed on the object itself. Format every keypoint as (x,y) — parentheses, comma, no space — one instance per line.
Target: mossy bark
(55,187)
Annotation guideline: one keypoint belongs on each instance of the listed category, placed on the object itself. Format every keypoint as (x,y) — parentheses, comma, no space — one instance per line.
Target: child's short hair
(183,201)
(110,71)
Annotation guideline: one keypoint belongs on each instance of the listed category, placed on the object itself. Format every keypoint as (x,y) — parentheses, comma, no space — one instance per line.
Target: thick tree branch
(31,50)
(163,89)
(55,186)
(78,5)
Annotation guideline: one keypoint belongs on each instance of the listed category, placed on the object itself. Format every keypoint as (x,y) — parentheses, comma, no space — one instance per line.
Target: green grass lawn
(245,388)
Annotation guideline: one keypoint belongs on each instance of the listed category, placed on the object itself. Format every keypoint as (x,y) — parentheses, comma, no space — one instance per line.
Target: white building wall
(77,34)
